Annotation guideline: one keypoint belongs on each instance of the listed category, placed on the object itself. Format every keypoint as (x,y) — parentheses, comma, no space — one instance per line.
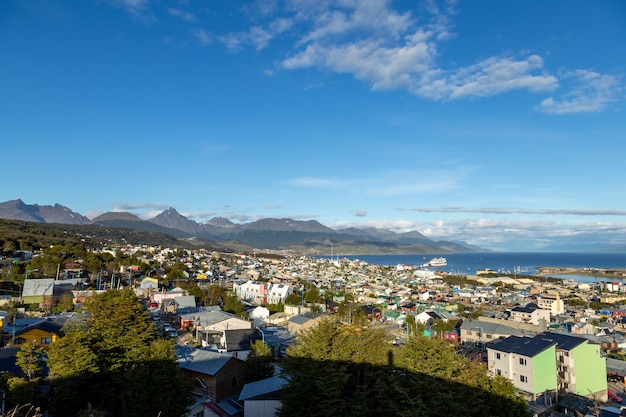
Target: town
(559,343)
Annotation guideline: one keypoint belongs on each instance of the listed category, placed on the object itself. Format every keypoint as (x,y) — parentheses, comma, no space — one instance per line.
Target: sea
(522,263)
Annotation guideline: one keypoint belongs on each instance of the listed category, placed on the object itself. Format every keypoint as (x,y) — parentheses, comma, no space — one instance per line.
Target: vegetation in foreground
(110,362)
(341,370)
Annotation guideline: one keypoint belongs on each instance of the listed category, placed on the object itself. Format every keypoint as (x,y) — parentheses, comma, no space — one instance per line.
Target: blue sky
(500,124)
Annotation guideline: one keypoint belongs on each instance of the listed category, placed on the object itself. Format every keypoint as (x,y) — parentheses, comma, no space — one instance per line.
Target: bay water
(522,263)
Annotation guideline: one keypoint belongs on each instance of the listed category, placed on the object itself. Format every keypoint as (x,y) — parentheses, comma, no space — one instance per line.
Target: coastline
(546,271)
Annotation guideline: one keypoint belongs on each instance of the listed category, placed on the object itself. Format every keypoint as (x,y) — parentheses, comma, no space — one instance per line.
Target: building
(262,398)
(553,304)
(530,313)
(479,331)
(215,376)
(581,368)
(258,292)
(528,362)
(39,331)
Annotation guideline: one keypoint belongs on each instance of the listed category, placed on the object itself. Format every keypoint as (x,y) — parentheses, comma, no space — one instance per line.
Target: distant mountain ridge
(307,237)
(18,210)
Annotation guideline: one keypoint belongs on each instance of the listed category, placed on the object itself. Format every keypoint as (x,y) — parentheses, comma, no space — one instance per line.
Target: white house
(262,292)
(530,314)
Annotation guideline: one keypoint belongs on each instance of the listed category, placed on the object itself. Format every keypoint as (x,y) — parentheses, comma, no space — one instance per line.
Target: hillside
(309,237)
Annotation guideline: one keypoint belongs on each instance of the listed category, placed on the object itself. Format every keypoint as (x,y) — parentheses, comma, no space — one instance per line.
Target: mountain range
(301,237)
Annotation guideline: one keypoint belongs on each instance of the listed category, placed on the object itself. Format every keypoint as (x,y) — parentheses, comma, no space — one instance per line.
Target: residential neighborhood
(521,329)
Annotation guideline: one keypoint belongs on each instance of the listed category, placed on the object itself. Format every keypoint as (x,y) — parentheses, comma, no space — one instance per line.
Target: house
(528,362)
(302,322)
(258,292)
(428,317)
(372,313)
(169,295)
(235,343)
(203,407)
(213,319)
(179,304)
(262,398)
(581,368)
(40,331)
(259,315)
(530,313)
(572,405)
(36,289)
(479,331)
(214,375)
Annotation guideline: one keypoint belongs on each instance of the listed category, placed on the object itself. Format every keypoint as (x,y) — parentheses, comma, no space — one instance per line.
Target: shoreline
(546,271)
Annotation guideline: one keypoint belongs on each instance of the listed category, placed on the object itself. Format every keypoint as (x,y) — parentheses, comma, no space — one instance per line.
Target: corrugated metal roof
(262,388)
(200,360)
(38,287)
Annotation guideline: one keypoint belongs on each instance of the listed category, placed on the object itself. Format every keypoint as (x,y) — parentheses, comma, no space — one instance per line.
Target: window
(46,340)
(199,414)
(489,336)
(523,378)
(496,355)
(522,361)
(498,372)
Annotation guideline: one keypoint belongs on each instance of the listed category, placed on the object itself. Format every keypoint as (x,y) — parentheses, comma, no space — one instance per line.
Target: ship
(439,261)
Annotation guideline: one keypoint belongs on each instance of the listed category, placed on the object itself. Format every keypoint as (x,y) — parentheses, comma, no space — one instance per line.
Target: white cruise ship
(440,261)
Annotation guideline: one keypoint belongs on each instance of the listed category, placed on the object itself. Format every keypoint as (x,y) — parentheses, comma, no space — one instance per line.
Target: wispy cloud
(390,183)
(590,92)
(140,206)
(188,16)
(360,213)
(138,8)
(202,36)
(500,210)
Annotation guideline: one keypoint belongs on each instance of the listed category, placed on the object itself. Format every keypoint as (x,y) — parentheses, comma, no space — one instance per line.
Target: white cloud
(496,75)
(590,92)
(391,50)
(202,36)
(134,7)
(190,17)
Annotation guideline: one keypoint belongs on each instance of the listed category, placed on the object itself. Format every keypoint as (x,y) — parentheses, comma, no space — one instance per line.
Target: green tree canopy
(349,370)
(312,295)
(259,362)
(112,358)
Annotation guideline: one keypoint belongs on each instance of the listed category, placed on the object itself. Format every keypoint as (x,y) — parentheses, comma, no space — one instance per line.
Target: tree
(29,360)
(108,354)
(258,363)
(349,370)
(293,299)
(411,326)
(312,295)
(65,304)
(234,305)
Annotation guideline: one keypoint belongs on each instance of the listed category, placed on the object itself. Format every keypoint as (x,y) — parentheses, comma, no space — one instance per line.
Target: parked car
(172,333)
(614,397)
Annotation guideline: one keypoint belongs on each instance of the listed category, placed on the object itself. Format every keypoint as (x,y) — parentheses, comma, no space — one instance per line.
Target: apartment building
(530,364)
